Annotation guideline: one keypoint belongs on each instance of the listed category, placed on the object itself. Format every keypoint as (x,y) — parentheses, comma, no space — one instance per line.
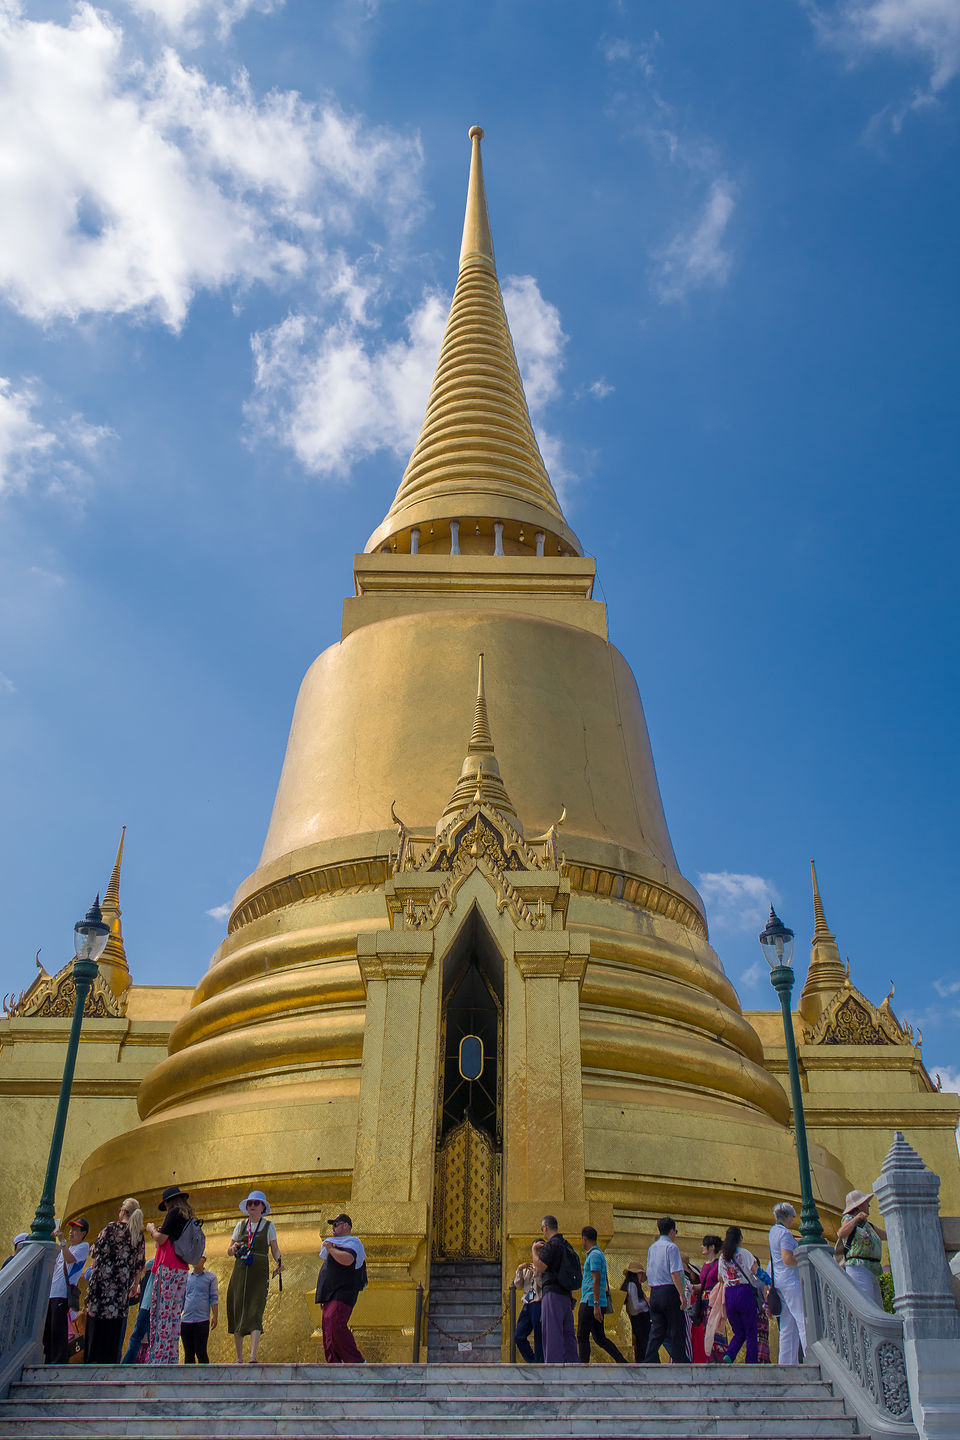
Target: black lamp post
(89,937)
(777,944)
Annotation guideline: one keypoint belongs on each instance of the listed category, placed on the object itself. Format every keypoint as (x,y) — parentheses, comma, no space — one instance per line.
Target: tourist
(860,1246)
(736,1267)
(115,1263)
(139,1341)
(253,1241)
(18,1240)
(169,1278)
(67,1270)
(786,1278)
(706,1283)
(527,1281)
(343,1275)
(594,1301)
(667,1296)
(200,1313)
(638,1311)
(555,1261)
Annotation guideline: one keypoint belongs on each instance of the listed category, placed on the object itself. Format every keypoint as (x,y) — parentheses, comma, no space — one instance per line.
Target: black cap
(337,1218)
(83,1224)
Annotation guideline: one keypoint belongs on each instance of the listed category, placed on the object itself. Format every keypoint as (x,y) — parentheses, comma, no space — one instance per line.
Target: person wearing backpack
(343,1275)
(170,1271)
(594,1301)
(555,1259)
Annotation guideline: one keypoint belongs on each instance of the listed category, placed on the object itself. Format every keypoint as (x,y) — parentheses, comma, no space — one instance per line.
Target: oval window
(471,1057)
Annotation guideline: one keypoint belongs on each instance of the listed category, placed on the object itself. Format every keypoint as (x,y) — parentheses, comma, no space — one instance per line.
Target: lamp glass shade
(776,941)
(90,934)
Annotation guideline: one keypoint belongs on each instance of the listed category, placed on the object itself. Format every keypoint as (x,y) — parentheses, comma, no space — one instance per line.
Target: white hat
(255,1195)
(19,1239)
(855,1200)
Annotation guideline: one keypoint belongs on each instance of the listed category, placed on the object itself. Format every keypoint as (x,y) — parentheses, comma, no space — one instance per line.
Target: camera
(243,1253)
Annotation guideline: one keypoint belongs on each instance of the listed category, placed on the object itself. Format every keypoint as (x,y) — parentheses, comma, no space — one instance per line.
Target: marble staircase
(393,1402)
(465,1304)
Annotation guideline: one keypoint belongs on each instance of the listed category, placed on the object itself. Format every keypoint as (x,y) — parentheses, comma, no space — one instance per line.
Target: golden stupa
(468,841)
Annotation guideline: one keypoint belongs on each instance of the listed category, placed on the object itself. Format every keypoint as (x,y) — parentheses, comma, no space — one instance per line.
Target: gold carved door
(467,1196)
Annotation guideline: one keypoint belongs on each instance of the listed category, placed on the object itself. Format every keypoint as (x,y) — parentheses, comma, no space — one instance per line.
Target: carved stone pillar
(909,1198)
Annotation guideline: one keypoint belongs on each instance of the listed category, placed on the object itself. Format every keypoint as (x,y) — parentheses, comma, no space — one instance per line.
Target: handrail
(858,1345)
(24,1292)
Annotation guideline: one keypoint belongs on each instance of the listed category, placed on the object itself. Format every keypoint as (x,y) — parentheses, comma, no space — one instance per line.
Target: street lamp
(89,937)
(776,942)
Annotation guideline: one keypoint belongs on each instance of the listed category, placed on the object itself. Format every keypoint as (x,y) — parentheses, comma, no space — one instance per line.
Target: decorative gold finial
(480,781)
(477,243)
(113,961)
(821,930)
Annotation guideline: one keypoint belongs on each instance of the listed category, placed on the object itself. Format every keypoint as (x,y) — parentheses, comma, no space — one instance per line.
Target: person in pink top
(169,1278)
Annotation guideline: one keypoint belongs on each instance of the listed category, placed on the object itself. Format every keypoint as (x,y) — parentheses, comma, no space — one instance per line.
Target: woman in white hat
(860,1247)
(251,1245)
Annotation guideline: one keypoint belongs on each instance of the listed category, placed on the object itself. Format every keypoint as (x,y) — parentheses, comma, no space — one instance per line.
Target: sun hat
(19,1239)
(255,1195)
(855,1200)
(172,1192)
(636,1267)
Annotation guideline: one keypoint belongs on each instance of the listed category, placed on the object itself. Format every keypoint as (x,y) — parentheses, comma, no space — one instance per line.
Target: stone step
(505,1427)
(397,1393)
(386,1411)
(457,1305)
(735,1376)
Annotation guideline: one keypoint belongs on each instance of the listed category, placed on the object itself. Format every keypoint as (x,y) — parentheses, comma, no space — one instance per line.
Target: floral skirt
(169,1291)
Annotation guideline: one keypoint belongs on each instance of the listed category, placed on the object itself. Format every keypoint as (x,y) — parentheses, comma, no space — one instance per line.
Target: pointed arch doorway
(469,1145)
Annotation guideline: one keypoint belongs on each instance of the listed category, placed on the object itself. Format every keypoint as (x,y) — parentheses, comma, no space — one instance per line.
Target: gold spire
(477,242)
(480,781)
(113,961)
(820,929)
(477,458)
(826,973)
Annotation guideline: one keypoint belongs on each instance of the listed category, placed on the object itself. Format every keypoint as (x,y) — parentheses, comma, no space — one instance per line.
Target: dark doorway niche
(472,1006)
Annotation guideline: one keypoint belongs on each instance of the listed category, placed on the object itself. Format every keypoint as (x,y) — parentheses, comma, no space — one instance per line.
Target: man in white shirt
(665,1278)
(66,1272)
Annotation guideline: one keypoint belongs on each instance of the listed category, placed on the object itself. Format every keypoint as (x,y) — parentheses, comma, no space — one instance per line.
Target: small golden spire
(825,975)
(821,931)
(477,242)
(480,781)
(113,961)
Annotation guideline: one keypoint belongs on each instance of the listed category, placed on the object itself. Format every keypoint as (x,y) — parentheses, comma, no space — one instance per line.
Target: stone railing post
(909,1198)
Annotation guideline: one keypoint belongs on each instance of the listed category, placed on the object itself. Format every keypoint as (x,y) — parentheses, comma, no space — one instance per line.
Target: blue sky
(727,236)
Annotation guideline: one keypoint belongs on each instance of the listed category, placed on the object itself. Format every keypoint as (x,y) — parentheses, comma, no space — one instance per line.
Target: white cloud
(696,256)
(910,30)
(49,577)
(335,392)
(57,452)
(129,184)
(185,19)
(946,988)
(753,974)
(600,388)
(219,913)
(7,686)
(737,902)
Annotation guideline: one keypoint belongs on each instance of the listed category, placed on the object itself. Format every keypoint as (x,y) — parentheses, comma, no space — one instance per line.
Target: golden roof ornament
(480,781)
(113,961)
(477,457)
(826,973)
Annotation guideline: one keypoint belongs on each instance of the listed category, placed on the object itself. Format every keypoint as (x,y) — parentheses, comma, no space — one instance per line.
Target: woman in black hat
(169,1279)
(116,1261)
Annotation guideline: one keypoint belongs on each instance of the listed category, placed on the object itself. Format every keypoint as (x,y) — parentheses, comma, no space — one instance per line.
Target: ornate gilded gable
(850,1019)
(54,996)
